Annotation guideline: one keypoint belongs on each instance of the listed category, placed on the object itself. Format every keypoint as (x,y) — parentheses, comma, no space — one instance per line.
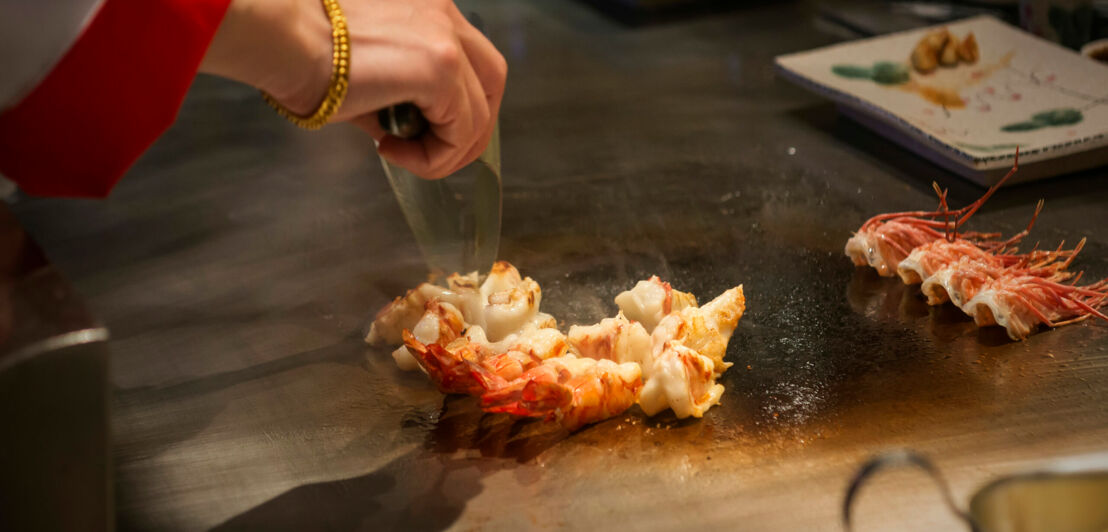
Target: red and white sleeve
(108,98)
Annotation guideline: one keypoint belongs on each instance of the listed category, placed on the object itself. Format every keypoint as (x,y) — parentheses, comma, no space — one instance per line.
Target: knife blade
(455,220)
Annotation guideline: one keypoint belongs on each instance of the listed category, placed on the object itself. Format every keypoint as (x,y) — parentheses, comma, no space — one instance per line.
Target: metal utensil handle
(402,120)
(901,458)
(405,120)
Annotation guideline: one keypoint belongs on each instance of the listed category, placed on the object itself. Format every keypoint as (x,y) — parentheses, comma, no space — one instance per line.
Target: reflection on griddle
(888,299)
(462,425)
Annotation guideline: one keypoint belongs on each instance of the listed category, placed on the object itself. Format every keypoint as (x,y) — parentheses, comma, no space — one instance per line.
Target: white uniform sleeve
(34,35)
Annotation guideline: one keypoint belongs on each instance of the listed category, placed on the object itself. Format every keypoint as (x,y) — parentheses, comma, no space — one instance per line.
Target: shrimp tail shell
(451,374)
(533,398)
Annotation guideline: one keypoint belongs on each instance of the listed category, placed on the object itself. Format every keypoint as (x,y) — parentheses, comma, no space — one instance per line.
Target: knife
(455,220)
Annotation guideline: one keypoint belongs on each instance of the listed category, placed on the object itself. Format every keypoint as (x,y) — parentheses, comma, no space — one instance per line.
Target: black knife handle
(402,120)
(405,120)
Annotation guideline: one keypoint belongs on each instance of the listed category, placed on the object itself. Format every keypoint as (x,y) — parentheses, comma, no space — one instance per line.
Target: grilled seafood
(680,360)
(402,313)
(510,301)
(568,390)
(504,303)
(925,260)
(1019,303)
(530,368)
(885,240)
(1016,292)
(687,356)
(705,329)
(441,323)
(651,300)
(617,339)
(985,278)
(961,279)
(682,380)
(884,245)
(451,366)
(958,281)
(928,258)
(541,339)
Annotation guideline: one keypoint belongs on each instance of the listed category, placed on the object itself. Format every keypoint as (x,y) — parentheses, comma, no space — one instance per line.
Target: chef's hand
(419,51)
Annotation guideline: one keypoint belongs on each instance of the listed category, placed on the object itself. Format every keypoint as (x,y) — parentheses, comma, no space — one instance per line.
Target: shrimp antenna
(972,208)
(1073,254)
(1019,236)
(938,192)
(944,209)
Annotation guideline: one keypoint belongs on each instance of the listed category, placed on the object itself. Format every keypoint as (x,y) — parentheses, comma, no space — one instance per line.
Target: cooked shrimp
(402,313)
(1019,303)
(524,366)
(680,361)
(885,240)
(705,330)
(928,258)
(504,303)
(617,339)
(537,340)
(569,390)
(441,323)
(681,379)
(687,356)
(885,245)
(651,300)
(960,280)
(510,301)
(451,366)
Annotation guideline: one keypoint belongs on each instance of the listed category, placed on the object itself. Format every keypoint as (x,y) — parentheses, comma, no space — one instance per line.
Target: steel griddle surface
(238,263)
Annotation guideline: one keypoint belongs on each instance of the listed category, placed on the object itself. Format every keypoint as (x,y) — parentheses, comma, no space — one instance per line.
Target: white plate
(988,108)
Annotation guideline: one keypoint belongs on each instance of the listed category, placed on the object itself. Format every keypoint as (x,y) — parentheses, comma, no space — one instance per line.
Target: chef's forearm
(282,47)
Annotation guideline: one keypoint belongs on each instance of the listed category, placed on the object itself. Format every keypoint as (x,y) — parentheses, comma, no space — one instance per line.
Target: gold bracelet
(340,75)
